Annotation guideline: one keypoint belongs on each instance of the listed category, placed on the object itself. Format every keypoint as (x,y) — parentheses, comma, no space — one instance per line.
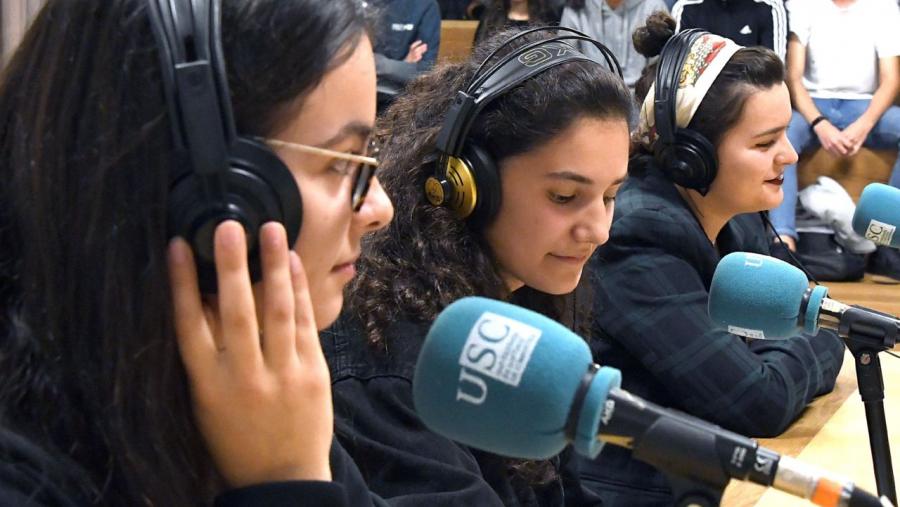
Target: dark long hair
(427,258)
(748,71)
(89,367)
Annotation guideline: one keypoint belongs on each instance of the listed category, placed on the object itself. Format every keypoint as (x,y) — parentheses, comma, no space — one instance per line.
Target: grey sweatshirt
(613,27)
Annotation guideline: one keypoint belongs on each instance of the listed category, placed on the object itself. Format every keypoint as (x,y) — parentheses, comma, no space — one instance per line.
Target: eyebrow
(578,178)
(355,128)
(771,131)
(569,175)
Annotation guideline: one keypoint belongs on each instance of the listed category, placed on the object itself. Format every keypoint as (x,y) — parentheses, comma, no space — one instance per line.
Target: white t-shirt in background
(843,45)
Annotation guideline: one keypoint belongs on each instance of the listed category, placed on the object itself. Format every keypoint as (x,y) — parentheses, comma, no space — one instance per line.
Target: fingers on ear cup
(259,188)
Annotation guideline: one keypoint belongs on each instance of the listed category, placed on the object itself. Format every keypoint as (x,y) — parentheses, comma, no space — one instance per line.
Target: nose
(376,210)
(595,224)
(788,155)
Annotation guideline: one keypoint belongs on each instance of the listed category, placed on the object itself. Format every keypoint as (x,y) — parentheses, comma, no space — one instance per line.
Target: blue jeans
(841,113)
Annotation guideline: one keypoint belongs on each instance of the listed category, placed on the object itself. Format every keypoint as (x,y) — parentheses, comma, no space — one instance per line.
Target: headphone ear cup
(487,179)
(259,188)
(690,161)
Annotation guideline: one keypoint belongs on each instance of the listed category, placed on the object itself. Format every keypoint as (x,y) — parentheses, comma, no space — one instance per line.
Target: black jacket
(403,461)
(30,476)
(651,283)
(400,23)
(747,22)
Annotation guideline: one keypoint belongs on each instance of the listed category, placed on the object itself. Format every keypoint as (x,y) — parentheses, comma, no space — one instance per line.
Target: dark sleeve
(401,460)
(654,304)
(285,493)
(684,15)
(430,33)
(25,487)
(347,487)
(395,71)
(345,472)
(773,29)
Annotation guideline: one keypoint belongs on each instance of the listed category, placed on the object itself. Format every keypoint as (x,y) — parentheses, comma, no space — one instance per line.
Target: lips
(777,180)
(575,259)
(343,266)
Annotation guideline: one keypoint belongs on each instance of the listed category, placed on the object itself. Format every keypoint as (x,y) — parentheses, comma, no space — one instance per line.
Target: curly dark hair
(749,70)
(427,258)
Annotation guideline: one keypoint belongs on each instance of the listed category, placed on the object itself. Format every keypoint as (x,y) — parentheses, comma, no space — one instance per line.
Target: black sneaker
(884,265)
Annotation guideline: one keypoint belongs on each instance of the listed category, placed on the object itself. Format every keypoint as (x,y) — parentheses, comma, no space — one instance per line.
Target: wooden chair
(457,38)
(867,166)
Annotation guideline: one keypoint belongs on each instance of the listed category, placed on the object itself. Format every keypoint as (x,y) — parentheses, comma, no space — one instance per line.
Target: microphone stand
(867,333)
(699,464)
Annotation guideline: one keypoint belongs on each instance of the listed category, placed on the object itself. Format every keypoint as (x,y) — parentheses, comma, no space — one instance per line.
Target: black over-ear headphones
(686,156)
(466,178)
(220,175)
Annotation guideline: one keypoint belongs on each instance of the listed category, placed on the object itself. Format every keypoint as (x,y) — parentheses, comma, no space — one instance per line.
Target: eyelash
(561,199)
(766,145)
(343,167)
(566,199)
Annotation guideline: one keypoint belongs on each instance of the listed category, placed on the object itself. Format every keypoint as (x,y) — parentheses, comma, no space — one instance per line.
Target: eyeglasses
(362,167)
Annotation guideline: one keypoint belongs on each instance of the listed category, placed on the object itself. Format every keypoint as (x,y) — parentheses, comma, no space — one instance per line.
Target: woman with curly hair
(560,143)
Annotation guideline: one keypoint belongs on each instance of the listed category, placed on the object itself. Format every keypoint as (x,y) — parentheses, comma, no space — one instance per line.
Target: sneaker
(884,265)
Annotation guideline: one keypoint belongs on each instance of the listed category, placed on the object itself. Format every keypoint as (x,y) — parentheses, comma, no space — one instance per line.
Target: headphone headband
(668,74)
(188,35)
(218,175)
(686,156)
(513,69)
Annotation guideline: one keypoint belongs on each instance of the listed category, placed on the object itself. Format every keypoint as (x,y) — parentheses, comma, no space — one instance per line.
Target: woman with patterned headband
(711,151)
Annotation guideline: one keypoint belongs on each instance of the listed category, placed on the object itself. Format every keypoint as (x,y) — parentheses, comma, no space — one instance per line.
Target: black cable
(765,217)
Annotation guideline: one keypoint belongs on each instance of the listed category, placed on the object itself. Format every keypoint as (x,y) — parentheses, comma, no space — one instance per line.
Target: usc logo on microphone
(497,347)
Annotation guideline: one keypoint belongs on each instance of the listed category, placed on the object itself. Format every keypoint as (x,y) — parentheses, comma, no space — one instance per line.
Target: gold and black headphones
(221,175)
(686,156)
(466,177)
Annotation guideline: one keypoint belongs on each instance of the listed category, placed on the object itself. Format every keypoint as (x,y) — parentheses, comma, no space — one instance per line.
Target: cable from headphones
(765,217)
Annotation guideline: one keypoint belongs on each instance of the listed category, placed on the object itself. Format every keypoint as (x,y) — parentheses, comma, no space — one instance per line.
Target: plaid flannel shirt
(651,284)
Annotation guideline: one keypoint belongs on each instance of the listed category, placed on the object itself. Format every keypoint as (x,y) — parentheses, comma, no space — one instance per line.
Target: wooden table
(832,433)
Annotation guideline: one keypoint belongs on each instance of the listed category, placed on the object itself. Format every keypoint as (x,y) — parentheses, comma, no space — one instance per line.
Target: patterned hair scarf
(708,56)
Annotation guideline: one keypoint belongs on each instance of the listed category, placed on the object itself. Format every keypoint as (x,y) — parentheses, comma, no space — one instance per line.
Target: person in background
(453,9)
(550,155)
(500,14)
(686,204)
(746,22)
(407,38)
(843,90)
(120,384)
(612,22)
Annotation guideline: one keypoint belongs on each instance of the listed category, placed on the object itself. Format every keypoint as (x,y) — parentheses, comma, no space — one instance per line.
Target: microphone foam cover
(757,296)
(878,214)
(501,378)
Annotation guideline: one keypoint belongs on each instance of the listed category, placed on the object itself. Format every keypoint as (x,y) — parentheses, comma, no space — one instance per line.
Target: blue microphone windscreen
(501,378)
(757,296)
(878,214)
